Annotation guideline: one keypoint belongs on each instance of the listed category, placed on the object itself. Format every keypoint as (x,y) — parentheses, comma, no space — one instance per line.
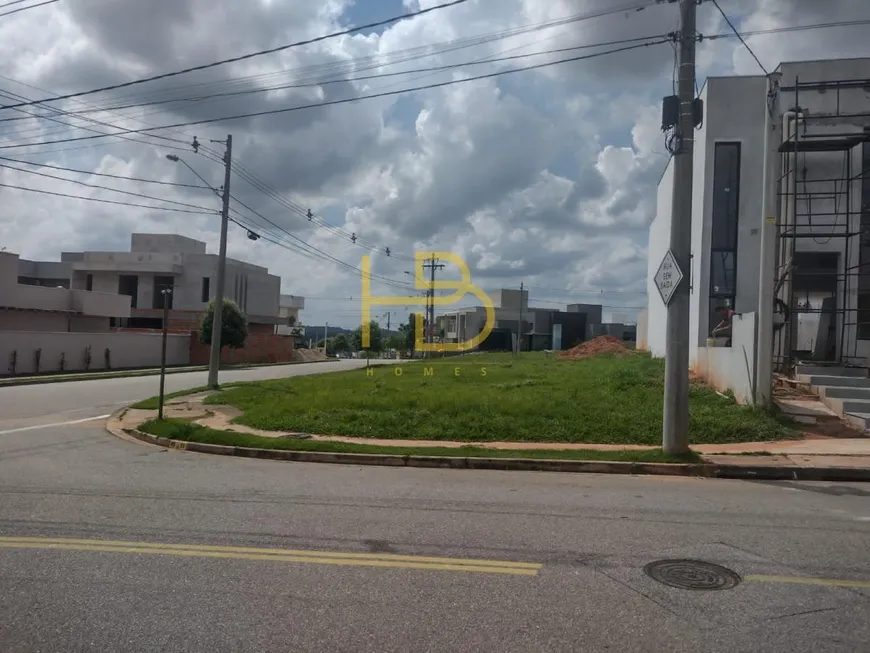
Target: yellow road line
(803,580)
(276,555)
(270,550)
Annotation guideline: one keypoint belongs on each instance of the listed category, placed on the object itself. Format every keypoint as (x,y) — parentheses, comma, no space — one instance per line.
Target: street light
(217,314)
(177,159)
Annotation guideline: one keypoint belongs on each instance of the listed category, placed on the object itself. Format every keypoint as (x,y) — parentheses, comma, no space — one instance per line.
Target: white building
(288,310)
(49,306)
(157,261)
(813,232)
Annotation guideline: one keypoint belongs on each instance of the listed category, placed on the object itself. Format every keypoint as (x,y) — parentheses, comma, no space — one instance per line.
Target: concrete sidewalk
(815,453)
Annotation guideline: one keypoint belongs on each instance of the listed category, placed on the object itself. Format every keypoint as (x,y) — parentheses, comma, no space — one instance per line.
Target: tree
(397,341)
(234,327)
(340,344)
(376,338)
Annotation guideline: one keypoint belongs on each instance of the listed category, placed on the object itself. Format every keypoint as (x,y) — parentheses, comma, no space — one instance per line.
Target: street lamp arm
(177,159)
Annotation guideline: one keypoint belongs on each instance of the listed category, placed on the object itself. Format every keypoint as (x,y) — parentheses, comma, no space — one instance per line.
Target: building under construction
(780,268)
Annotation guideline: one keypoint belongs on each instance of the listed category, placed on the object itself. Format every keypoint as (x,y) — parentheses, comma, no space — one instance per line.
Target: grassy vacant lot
(495,397)
(181,430)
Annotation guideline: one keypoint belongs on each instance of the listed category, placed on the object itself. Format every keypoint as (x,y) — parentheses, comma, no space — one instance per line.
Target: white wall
(735,113)
(701,203)
(259,297)
(732,368)
(128,350)
(659,241)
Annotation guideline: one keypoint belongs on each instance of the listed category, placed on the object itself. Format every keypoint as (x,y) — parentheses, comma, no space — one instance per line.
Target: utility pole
(214,361)
(167,293)
(325,335)
(675,426)
(520,328)
(430,329)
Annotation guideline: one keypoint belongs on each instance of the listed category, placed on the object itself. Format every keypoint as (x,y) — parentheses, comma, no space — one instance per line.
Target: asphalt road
(270,556)
(26,406)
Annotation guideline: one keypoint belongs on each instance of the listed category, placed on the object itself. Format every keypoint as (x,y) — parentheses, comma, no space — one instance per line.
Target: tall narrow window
(724,223)
(89,282)
(128,284)
(205,289)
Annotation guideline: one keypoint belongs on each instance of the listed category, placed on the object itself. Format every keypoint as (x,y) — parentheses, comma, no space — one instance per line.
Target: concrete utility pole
(675,427)
(430,308)
(325,335)
(214,361)
(769,219)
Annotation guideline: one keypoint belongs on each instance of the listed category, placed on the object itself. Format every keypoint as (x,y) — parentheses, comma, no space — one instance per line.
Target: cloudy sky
(545,177)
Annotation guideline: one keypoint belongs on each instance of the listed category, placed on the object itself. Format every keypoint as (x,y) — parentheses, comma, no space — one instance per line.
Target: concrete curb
(123,374)
(697,470)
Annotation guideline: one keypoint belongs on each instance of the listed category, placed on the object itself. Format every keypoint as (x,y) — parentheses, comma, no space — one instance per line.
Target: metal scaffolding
(823,225)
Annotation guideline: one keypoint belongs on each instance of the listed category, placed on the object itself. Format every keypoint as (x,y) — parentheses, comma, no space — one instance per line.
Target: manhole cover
(692,575)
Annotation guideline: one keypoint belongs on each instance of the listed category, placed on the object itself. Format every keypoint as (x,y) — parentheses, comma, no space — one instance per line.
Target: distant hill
(316,331)
(312,330)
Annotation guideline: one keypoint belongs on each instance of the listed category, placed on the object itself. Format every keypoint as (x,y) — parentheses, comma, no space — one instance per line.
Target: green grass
(181,430)
(151,402)
(532,398)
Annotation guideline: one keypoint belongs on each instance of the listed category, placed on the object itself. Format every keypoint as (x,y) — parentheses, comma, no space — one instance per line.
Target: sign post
(668,277)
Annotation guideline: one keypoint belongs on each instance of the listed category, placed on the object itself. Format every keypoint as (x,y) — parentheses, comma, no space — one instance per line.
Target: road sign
(668,277)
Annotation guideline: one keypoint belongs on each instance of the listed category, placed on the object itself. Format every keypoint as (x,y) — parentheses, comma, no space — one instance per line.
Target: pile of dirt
(595,347)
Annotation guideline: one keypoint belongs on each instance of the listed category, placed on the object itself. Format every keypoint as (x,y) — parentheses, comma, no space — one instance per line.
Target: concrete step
(831,370)
(841,381)
(842,392)
(806,410)
(854,405)
(859,420)
(844,405)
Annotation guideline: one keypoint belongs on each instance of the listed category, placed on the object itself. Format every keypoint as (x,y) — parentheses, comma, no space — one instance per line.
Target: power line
(270,192)
(95,199)
(251,55)
(422,50)
(91,120)
(15,11)
(318,252)
(375,61)
(343,80)
(9,4)
(106,174)
(327,103)
(109,188)
(791,28)
(308,253)
(742,40)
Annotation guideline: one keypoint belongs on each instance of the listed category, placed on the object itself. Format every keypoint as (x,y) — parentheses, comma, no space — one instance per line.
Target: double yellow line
(276,555)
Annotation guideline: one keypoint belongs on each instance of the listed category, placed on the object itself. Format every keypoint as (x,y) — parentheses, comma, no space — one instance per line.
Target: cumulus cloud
(546,177)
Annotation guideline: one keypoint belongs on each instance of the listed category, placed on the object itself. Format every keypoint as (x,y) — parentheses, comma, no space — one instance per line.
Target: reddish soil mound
(594,347)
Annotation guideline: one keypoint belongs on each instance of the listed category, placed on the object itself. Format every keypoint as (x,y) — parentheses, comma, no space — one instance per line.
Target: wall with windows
(731,244)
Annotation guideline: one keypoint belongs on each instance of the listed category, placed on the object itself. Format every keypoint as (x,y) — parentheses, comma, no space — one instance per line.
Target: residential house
(780,226)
